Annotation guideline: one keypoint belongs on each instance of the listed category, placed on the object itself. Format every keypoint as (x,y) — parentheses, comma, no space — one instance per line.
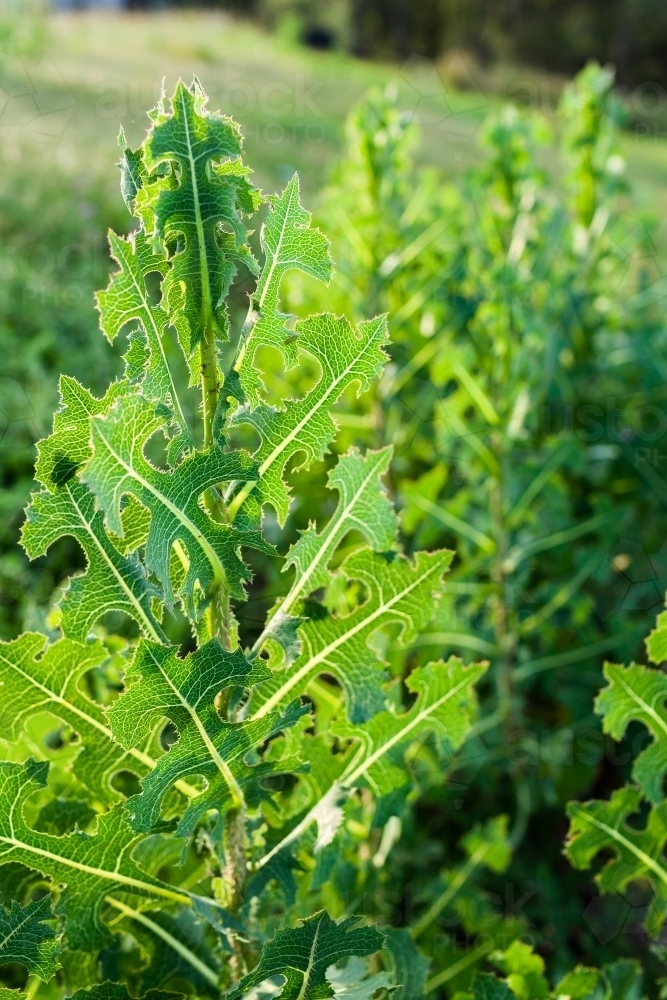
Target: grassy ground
(101,69)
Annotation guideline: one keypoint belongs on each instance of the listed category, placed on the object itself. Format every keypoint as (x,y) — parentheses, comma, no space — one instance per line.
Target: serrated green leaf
(288,242)
(36,677)
(398,591)
(88,866)
(444,708)
(638,853)
(488,987)
(126,300)
(409,966)
(26,938)
(197,208)
(119,991)
(302,955)
(363,506)
(61,455)
(112,581)
(638,694)
(346,356)
(119,467)
(161,685)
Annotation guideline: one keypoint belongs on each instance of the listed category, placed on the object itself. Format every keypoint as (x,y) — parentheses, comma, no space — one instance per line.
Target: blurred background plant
(521,309)
(22,28)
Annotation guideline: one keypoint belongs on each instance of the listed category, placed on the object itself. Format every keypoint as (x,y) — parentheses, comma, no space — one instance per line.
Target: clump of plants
(526,338)
(195,801)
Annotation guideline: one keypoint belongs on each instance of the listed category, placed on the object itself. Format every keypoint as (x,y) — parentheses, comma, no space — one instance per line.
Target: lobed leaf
(25,937)
(288,242)
(161,685)
(637,694)
(444,707)
(346,356)
(363,506)
(61,455)
(118,467)
(302,955)
(376,759)
(638,853)
(197,208)
(112,581)
(89,867)
(126,300)
(398,591)
(36,677)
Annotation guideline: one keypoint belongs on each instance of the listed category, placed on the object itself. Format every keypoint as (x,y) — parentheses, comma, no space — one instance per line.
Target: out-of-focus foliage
(555,35)
(523,400)
(52,257)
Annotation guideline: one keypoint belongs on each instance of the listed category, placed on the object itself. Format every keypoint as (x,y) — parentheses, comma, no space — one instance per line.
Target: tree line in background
(554,35)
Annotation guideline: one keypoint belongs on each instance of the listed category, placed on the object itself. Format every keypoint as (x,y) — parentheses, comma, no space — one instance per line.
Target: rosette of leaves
(177,807)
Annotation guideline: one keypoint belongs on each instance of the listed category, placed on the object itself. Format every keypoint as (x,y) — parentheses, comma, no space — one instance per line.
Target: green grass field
(100,70)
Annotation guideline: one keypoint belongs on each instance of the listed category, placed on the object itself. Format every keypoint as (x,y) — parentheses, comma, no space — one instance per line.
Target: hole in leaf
(126,782)
(168,736)
(154,287)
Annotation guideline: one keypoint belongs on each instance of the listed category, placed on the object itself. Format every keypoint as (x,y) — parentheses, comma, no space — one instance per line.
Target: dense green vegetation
(344,755)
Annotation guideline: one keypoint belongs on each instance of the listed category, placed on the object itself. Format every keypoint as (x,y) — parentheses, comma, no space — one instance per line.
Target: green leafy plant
(633,695)
(511,301)
(179,797)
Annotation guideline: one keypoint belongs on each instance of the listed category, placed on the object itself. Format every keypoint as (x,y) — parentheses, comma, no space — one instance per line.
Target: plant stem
(442,901)
(209,974)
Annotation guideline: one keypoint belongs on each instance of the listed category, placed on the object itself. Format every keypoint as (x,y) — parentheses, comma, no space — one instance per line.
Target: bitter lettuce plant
(520,306)
(170,813)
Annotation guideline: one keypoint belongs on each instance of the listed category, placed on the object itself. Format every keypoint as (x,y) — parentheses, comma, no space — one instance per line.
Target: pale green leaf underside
(398,591)
(36,678)
(288,242)
(346,356)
